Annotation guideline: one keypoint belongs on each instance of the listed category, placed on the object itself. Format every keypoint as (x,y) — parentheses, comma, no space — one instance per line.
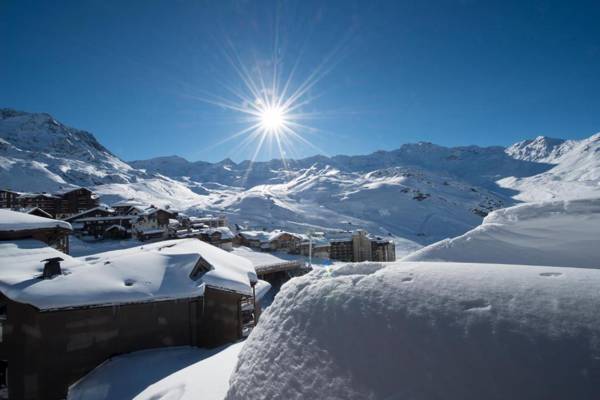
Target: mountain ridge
(418,193)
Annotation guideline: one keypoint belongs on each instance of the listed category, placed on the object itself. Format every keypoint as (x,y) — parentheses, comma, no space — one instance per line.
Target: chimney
(51,267)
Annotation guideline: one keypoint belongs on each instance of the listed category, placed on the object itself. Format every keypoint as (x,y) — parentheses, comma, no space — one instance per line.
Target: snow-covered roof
(71,189)
(255,235)
(33,195)
(119,227)
(150,231)
(30,210)
(223,230)
(99,208)
(264,236)
(153,272)
(18,221)
(108,218)
(261,259)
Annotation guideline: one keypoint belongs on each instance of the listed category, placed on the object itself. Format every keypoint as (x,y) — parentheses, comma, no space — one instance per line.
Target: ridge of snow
(559,233)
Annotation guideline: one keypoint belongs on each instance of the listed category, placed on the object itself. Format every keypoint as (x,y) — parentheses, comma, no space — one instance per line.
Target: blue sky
(137,73)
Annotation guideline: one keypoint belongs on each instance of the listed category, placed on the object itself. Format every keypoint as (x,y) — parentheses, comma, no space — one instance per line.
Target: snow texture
(426,331)
(158,271)
(575,173)
(263,259)
(17,221)
(559,233)
(182,373)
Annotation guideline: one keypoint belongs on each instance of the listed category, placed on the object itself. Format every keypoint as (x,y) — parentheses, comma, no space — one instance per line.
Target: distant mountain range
(418,193)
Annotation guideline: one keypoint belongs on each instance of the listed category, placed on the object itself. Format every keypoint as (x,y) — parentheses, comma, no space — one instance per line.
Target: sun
(272,118)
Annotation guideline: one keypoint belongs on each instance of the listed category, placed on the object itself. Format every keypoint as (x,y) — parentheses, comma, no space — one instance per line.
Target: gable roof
(81,214)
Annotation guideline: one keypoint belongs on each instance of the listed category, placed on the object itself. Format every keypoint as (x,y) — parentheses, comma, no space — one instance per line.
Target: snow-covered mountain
(575,171)
(541,149)
(39,153)
(421,192)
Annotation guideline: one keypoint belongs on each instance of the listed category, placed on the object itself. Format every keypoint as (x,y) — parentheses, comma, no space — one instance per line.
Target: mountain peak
(540,149)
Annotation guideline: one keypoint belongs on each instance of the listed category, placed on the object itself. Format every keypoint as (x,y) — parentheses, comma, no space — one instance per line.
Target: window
(200,269)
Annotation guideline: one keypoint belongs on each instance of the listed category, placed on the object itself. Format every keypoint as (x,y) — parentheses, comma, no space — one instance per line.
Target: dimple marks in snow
(407,279)
(551,274)
(475,305)
(129,282)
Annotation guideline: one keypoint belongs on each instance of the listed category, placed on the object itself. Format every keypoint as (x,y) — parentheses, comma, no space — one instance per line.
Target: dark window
(200,269)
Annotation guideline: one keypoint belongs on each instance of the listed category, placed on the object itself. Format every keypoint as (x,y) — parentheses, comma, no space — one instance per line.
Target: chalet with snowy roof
(276,240)
(75,200)
(152,223)
(46,201)
(60,316)
(286,241)
(275,268)
(221,237)
(209,221)
(124,207)
(16,225)
(107,227)
(253,239)
(63,203)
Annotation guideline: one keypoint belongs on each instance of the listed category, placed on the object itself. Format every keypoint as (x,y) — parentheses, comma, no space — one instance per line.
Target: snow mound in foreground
(558,233)
(428,331)
(182,373)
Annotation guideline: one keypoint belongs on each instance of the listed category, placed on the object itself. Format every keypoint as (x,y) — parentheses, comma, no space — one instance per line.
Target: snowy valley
(419,193)
(494,295)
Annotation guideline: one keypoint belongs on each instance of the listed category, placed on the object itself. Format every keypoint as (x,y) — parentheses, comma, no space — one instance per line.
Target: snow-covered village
(299,200)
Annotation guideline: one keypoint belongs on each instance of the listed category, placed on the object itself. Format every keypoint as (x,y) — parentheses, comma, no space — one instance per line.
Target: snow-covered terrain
(558,233)
(418,194)
(414,330)
(182,373)
(38,153)
(575,174)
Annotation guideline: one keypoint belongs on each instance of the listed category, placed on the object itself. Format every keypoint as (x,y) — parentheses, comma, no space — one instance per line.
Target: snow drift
(559,233)
(174,373)
(427,331)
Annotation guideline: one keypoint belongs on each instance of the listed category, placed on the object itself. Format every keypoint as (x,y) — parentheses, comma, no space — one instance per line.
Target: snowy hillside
(419,193)
(427,331)
(407,202)
(560,233)
(540,149)
(38,153)
(575,174)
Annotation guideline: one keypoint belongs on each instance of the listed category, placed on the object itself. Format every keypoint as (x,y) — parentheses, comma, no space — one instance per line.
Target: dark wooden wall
(48,351)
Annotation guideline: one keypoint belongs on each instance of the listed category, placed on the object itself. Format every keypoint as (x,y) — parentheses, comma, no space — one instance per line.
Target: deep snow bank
(427,331)
(558,233)
(182,373)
